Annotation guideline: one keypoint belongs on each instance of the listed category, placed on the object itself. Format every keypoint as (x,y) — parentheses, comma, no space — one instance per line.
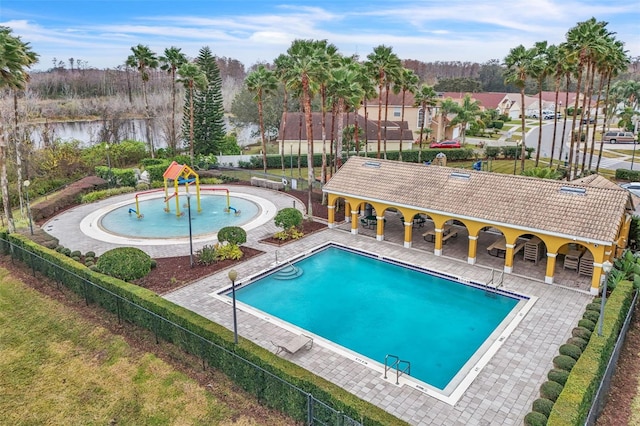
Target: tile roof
(538,205)
(292,131)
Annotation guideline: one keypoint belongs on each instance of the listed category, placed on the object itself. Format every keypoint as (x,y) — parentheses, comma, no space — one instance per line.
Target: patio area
(456,247)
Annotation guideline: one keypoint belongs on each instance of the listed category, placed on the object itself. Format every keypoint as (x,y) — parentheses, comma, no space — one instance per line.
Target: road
(531,141)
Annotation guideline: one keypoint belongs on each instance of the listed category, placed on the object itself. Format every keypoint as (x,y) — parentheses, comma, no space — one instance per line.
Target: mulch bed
(172,273)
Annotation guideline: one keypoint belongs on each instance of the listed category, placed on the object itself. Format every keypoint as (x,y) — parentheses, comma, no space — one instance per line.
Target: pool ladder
(401,366)
(497,283)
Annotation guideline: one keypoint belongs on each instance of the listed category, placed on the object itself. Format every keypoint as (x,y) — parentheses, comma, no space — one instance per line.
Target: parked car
(632,187)
(446,144)
(619,137)
(551,115)
(591,120)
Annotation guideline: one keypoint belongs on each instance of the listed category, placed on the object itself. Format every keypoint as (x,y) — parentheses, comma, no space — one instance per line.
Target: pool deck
(503,391)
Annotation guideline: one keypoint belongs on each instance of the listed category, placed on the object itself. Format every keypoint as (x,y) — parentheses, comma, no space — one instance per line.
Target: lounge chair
(294,344)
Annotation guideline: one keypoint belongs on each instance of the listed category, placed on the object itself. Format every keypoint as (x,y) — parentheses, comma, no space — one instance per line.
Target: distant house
(295,133)
(549,102)
(412,115)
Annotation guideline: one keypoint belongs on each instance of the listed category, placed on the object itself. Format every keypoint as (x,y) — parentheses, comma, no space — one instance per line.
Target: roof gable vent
(373,164)
(460,175)
(571,190)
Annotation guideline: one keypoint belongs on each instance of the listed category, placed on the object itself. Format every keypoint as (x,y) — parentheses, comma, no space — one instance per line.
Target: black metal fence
(294,401)
(600,397)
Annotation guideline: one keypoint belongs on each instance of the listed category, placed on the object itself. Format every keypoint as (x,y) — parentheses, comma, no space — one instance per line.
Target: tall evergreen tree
(208,111)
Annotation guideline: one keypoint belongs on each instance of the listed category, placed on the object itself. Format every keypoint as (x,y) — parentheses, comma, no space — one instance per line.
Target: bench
(294,344)
(452,234)
(266,183)
(447,232)
(500,248)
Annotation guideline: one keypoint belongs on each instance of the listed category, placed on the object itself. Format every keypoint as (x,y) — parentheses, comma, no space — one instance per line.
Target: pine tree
(209,126)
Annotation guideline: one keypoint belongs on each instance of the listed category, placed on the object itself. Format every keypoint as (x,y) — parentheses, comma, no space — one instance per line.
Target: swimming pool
(156,223)
(373,308)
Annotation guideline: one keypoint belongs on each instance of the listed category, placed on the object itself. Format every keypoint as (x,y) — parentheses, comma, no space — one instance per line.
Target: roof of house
(576,210)
(488,100)
(293,128)
(549,96)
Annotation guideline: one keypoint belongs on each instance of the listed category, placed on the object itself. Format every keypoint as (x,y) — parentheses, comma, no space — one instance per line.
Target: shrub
(543,406)
(564,362)
(593,307)
(581,332)
(90,254)
(570,350)
(76,253)
(592,316)
(559,376)
(154,263)
(94,268)
(492,151)
(581,343)
(588,324)
(228,251)
(104,193)
(233,235)
(59,248)
(535,419)
(206,255)
(76,258)
(126,263)
(289,234)
(89,263)
(550,390)
(66,251)
(288,218)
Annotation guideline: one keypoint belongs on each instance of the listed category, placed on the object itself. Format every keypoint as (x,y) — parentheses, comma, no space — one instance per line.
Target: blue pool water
(377,308)
(157,223)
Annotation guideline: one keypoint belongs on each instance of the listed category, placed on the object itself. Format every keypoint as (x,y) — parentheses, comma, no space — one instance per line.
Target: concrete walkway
(501,393)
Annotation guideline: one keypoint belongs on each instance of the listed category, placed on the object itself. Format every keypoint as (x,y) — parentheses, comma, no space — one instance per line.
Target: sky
(101,32)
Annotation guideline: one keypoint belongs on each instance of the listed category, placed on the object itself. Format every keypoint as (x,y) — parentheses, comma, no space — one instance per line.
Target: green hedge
(574,402)
(120,177)
(270,391)
(630,175)
(411,156)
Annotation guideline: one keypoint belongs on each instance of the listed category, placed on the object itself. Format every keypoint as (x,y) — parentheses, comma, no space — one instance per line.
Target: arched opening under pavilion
(537,218)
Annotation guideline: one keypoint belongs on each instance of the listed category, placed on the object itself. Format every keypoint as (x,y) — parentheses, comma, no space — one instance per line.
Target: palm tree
(613,61)
(348,93)
(555,64)
(193,78)
(384,65)
(262,82)
(282,67)
(143,59)
(408,82)
(329,58)
(538,71)
(518,64)
(467,112)
(426,98)
(16,57)
(369,86)
(582,42)
(172,59)
(306,62)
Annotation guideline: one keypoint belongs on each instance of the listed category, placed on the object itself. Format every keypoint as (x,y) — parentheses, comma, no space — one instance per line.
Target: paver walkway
(501,394)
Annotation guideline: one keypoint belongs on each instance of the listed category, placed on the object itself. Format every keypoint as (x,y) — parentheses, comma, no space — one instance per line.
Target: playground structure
(181,174)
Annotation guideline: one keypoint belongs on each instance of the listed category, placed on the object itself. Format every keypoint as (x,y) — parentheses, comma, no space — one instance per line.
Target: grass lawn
(59,368)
